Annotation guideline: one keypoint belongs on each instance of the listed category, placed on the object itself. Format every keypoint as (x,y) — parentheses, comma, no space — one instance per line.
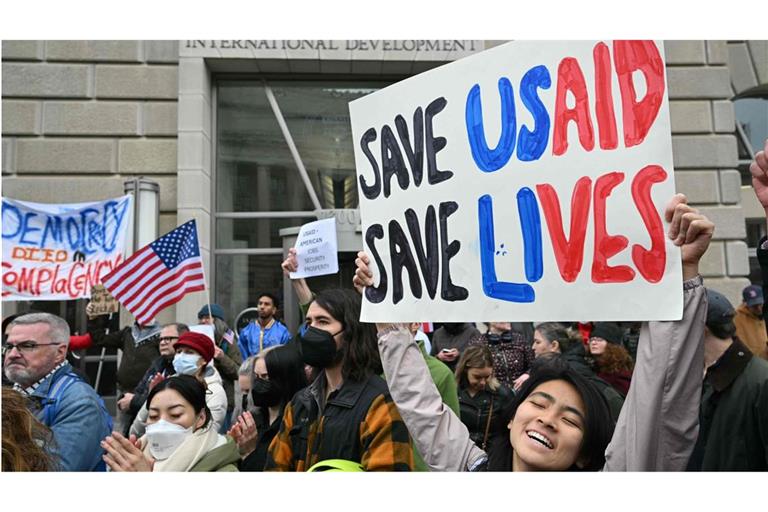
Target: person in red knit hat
(194,353)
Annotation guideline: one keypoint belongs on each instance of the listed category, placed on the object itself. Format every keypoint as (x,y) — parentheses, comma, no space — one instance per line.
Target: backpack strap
(50,406)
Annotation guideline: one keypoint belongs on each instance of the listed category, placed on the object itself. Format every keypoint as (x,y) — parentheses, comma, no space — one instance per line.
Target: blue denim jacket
(78,426)
(248,341)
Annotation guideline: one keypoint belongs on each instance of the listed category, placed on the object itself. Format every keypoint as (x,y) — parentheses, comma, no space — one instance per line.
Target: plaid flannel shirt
(359,422)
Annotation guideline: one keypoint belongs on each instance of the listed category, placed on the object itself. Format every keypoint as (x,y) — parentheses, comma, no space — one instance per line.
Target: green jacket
(733,418)
(223,458)
(445,382)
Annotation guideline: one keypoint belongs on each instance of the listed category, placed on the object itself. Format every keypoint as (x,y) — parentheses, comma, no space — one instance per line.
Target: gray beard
(22,377)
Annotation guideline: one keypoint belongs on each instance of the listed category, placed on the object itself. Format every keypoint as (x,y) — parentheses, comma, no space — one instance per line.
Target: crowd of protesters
(340,394)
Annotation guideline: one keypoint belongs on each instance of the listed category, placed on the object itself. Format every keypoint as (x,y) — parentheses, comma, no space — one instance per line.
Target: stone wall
(81,117)
(705,154)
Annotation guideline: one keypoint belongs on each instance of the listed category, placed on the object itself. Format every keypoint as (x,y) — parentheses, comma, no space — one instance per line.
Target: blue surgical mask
(185,364)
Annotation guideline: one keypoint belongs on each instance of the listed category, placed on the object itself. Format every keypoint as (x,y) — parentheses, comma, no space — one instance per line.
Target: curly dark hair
(615,359)
(23,436)
(360,351)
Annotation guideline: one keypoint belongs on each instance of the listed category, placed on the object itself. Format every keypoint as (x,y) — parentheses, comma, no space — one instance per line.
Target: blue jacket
(274,334)
(78,420)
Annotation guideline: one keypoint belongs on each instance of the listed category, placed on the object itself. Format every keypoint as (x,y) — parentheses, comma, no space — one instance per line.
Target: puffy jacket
(359,423)
(228,366)
(77,421)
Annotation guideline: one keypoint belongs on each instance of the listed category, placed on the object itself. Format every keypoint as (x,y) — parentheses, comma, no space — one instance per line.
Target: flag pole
(208,294)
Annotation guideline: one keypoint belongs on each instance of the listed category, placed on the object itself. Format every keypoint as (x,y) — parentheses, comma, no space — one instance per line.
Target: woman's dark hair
(191,389)
(598,425)
(360,351)
(285,367)
(561,333)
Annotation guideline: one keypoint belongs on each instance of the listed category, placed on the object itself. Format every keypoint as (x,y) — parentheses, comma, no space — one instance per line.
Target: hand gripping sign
(524,183)
(316,249)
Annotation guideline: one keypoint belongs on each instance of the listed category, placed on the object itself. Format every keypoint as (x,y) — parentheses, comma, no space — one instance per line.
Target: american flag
(159,275)
(229,336)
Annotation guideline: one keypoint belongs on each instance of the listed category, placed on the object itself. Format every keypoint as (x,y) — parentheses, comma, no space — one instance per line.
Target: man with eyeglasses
(160,368)
(34,359)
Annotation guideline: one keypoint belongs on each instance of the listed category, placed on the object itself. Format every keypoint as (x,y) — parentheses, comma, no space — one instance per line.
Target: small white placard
(203,329)
(316,249)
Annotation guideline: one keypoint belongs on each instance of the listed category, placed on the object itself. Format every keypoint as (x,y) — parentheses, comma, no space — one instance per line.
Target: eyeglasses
(25,347)
(168,339)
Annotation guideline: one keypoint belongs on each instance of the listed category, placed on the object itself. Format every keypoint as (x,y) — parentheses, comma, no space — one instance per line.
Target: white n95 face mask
(164,437)
(185,364)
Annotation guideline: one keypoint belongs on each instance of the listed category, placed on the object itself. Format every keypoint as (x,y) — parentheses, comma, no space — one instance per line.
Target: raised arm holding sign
(667,377)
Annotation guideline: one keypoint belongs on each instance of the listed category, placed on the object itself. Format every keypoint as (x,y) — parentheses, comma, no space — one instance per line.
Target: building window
(751,132)
(259,187)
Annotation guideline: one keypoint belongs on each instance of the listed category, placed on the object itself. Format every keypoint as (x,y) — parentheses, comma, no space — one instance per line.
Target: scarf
(141,334)
(189,453)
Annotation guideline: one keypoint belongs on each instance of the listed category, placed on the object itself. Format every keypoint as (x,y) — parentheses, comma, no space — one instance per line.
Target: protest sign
(102,302)
(60,251)
(525,183)
(316,249)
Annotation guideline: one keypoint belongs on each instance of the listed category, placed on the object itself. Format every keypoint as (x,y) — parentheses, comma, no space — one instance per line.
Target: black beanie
(609,331)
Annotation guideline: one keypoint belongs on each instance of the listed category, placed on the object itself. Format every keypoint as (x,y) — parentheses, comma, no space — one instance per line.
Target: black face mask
(265,393)
(495,339)
(318,347)
(244,401)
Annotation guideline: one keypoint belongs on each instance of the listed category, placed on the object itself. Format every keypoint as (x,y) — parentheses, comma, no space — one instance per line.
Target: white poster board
(61,251)
(316,249)
(525,183)
(206,329)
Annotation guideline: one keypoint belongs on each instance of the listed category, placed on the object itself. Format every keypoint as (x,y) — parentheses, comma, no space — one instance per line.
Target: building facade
(252,138)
